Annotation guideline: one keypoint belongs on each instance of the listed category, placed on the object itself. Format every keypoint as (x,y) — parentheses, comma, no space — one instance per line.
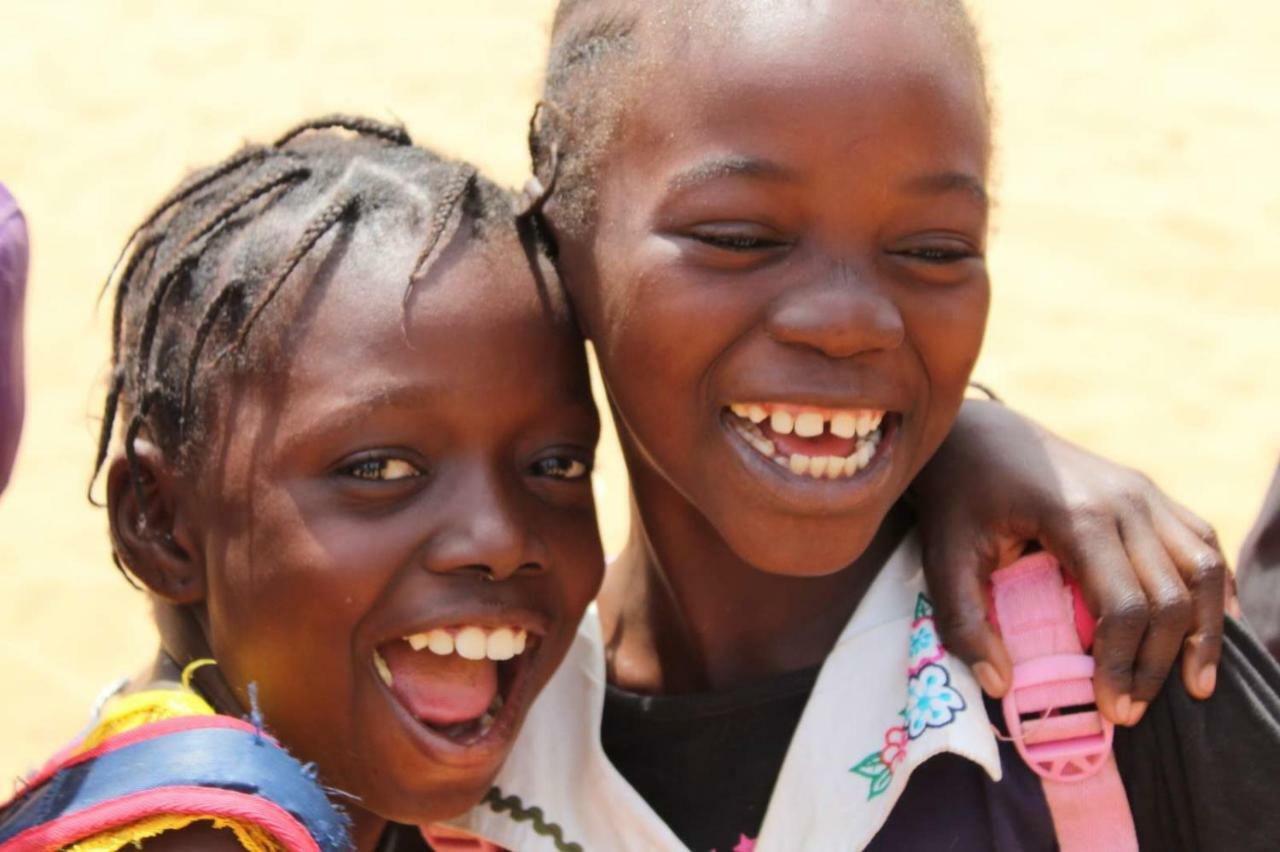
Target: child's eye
(561,467)
(737,242)
(736,238)
(937,254)
(381,470)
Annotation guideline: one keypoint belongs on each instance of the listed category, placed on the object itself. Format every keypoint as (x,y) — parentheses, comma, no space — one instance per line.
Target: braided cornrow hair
(595,63)
(196,281)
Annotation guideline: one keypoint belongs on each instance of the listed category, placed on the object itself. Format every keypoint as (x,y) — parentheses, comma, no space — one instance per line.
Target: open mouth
(462,682)
(818,443)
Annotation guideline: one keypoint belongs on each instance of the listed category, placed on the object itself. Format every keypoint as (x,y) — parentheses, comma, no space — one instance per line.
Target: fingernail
(1208,680)
(989,678)
(1123,706)
(1135,713)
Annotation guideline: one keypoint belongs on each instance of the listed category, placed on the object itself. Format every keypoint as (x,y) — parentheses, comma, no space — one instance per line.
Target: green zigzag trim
(513,805)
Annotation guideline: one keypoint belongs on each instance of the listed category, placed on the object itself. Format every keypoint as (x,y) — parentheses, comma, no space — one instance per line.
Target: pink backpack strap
(1050,708)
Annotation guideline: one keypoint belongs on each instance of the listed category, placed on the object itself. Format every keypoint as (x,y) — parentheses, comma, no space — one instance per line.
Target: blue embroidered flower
(931,700)
(924,640)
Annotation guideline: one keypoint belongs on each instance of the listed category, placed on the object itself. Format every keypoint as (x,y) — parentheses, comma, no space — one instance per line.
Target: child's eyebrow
(942,183)
(351,409)
(728,166)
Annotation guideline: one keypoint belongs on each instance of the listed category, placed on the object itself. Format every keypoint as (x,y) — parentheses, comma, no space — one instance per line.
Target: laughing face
(399,526)
(785,277)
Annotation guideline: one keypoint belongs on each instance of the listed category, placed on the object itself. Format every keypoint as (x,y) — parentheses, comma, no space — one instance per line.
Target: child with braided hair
(771,217)
(354,481)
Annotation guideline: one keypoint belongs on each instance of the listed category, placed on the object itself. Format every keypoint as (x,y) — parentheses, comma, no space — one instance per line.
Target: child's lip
(491,746)
(819,497)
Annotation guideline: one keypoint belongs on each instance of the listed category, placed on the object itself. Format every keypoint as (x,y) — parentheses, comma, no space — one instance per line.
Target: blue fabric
(212,757)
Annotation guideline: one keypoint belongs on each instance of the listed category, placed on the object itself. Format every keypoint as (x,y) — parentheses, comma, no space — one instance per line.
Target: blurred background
(1135,258)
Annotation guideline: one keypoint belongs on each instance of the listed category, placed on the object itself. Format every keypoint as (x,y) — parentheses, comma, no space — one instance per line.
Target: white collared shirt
(888,698)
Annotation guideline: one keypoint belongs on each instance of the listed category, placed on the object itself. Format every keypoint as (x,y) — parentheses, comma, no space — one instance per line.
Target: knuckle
(1087,519)
(1171,610)
(1135,495)
(1207,640)
(1210,569)
(1129,615)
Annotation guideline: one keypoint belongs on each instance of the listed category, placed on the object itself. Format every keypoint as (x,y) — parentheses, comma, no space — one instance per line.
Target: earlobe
(150,530)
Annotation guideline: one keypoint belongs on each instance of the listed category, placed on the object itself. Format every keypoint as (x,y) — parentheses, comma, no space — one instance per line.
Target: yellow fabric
(126,712)
(251,837)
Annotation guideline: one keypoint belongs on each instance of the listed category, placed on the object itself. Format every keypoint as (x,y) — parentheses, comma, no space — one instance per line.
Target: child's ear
(150,530)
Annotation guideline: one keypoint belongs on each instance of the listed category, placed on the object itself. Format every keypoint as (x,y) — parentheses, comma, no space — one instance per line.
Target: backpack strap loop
(1051,709)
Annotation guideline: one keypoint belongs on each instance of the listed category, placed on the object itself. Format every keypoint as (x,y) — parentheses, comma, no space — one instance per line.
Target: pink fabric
(1037,614)
(202,801)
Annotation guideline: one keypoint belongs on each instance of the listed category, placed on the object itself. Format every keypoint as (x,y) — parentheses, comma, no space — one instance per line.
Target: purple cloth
(13,286)
(1259,574)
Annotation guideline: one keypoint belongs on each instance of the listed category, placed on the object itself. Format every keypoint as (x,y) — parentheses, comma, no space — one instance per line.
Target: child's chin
(413,802)
(809,547)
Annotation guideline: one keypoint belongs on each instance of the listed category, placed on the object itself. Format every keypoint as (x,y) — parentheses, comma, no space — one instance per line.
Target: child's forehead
(780,35)
(479,291)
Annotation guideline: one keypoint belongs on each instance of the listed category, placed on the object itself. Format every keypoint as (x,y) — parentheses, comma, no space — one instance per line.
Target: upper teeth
(810,423)
(471,642)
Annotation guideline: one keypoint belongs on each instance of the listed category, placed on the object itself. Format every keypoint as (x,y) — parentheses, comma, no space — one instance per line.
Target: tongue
(825,444)
(440,690)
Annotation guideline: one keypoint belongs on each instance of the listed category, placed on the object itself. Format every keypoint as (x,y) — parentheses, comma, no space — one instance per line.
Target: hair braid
(450,201)
(176,292)
(393,133)
(343,208)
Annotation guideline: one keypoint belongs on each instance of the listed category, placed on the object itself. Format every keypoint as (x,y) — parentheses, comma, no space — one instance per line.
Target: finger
(957,577)
(1232,595)
(1211,586)
(1169,609)
(1201,528)
(1091,549)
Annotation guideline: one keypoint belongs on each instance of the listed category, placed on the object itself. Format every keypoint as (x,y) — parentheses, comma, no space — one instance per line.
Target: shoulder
(1201,774)
(174,776)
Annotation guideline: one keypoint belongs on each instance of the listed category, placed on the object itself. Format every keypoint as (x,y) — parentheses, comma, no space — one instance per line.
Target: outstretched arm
(1150,569)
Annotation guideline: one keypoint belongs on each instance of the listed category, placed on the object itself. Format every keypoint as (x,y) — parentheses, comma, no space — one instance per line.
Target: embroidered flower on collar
(932,702)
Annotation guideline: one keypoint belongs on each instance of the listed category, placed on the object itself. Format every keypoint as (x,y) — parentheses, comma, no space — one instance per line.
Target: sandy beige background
(1136,264)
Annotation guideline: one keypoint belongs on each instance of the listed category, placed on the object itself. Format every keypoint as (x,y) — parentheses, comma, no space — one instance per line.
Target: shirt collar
(888,698)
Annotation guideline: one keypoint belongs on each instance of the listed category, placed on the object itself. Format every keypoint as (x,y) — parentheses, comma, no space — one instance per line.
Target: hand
(1150,569)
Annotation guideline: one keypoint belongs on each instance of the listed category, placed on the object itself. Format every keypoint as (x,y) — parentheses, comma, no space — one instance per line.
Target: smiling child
(772,219)
(358,433)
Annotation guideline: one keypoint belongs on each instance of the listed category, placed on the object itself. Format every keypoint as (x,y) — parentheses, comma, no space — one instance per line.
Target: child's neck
(682,613)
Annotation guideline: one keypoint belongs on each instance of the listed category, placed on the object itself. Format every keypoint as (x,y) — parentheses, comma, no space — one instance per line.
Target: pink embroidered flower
(895,746)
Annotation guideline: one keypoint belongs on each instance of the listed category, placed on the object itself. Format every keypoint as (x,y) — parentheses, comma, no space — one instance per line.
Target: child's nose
(841,315)
(485,535)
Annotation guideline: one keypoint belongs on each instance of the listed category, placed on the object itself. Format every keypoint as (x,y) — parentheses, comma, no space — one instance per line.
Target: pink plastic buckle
(1058,746)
